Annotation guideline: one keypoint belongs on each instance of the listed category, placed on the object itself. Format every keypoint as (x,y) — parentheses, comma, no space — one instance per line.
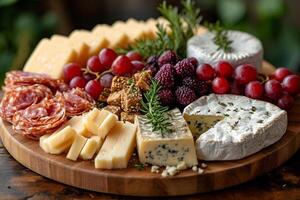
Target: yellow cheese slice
(134,29)
(117,147)
(43,143)
(64,42)
(108,123)
(94,42)
(76,147)
(77,123)
(50,57)
(89,149)
(61,140)
(115,38)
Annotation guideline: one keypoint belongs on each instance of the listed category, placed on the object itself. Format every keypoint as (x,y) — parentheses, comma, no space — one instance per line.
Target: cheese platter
(161,107)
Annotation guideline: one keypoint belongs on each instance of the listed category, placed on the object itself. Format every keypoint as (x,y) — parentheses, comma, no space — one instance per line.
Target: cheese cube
(117,147)
(76,147)
(61,140)
(169,148)
(90,148)
(77,123)
(108,123)
(50,57)
(115,38)
(94,42)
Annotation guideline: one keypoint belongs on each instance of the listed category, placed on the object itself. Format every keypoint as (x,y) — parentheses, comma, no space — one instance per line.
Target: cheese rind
(169,149)
(248,126)
(76,147)
(245,49)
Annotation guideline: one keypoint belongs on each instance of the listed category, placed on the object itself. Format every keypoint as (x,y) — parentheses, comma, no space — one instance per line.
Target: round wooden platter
(132,181)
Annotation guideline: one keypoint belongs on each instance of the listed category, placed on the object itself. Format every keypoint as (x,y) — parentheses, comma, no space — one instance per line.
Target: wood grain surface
(133,182)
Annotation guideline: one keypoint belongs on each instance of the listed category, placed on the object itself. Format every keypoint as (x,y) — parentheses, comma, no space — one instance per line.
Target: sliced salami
(20,78)
(76,101)
(40,119)
(22,97)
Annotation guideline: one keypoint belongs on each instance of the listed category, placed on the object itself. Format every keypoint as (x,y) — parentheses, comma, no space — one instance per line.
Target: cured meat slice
(22,97)
(40,119)
(20,78)
(76,101)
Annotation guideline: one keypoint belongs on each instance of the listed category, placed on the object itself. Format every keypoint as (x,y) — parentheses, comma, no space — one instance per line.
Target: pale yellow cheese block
(64,42)
(77,123)
(108,123)
(80,47)
(61,140)
(76,147)
(151,25)
(117,147)
(115,38)
(50,57)
(92,145)
(43,144)
(134,29)
(94,42)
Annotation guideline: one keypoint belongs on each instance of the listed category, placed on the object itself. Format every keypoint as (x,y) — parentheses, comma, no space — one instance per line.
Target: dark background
(24,23)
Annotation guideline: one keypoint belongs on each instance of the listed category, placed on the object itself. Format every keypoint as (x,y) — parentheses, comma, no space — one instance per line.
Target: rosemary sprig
(183,25)
(154,111)
(221,38)
(139,166)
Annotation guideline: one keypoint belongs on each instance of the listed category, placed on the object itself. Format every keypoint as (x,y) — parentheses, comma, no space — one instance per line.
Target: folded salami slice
(40,119)
(22,97)
(20,78)
(76,101)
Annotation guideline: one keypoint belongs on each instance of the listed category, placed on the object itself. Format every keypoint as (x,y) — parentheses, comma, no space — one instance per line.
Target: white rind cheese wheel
(246,49)
(247,126)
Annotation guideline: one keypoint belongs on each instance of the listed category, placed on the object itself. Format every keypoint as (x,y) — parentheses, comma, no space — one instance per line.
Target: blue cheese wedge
(168,149)
(245,49)
(246,126)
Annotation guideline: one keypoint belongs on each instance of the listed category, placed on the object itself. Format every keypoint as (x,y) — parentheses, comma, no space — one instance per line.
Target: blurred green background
(24,23)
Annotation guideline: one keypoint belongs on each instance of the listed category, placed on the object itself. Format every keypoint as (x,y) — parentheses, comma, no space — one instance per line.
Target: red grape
(273,89)
(133,55)
(291,84)
(122,66)
(95,65)
(220,85)
(89,77)
(254,90)
(94,88)
(245,74)
(137,65)
(194,61)
(286,102)
(71,70)
(77,81)
(224,69)
(281,73)
(205,72)
(237,88)
(106,79)
(107,57)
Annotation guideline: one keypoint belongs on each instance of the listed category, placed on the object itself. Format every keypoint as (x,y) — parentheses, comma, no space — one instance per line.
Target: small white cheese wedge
(168,148)
(77,123)
(89,149)
(61,140)
(117,147)
(76,147)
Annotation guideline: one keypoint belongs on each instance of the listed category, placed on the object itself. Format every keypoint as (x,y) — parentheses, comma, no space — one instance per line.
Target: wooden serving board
(131,181)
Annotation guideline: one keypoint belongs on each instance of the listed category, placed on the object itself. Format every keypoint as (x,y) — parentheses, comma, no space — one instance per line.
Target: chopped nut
(164,173)
(128,117)
(154,168)
(142,80)
(203,165)
(114,109)
(104,95)
(195,168)
(118,83)
(200,171)
(181,166)
(115,98)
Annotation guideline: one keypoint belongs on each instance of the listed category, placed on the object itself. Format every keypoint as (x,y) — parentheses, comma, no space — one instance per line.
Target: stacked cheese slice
(50,55)
(83,136)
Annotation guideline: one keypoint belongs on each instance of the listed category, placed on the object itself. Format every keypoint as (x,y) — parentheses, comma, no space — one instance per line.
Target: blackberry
(167,57)
(166,97)
(185,68)
(153,60)
(185,95)
(165,76)
(152,68)
(200,87)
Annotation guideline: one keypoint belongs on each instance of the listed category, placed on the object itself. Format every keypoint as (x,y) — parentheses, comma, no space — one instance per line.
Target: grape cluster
(100,70)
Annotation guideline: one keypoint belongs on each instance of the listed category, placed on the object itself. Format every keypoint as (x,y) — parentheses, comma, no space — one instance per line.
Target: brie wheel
(247,126)
(246,49)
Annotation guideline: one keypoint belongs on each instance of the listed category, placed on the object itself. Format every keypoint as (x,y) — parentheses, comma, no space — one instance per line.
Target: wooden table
(17,182)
